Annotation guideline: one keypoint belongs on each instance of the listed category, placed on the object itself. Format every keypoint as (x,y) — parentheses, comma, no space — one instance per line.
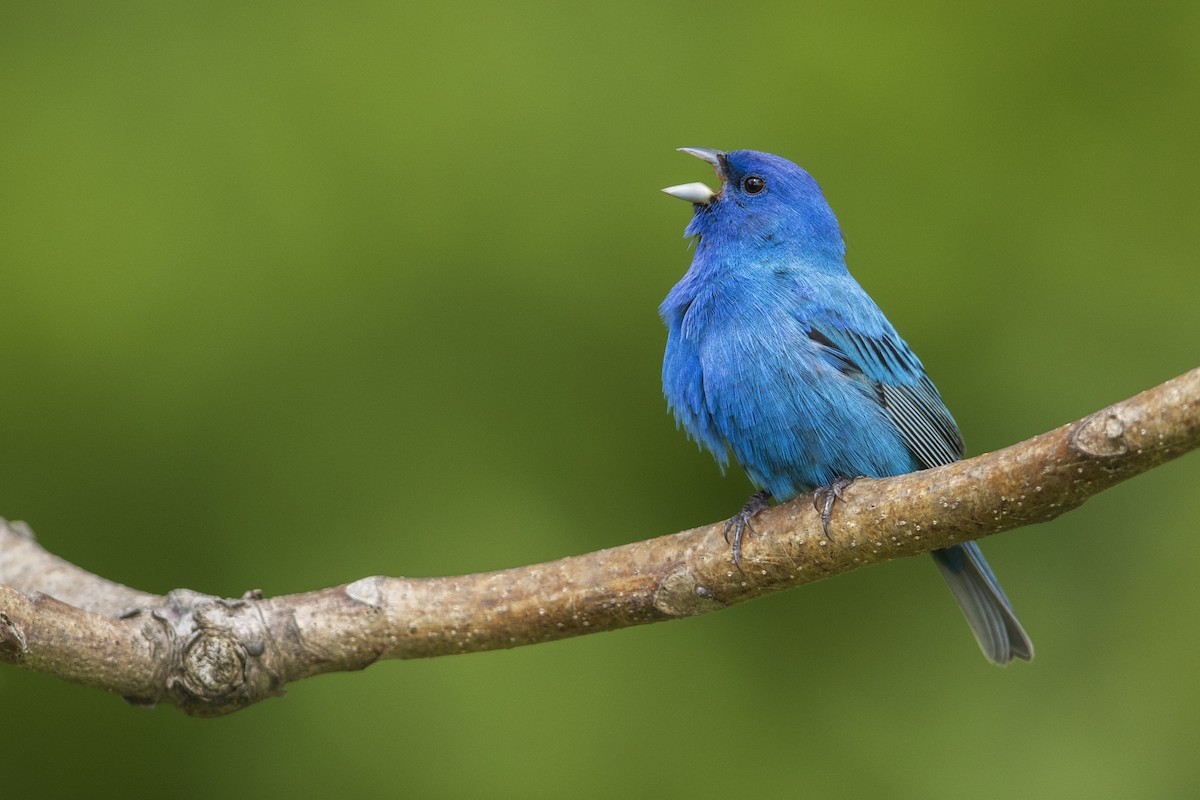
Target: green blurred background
(296,293)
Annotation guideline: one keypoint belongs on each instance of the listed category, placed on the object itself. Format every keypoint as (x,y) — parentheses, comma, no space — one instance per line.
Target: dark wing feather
(902,387)
(924,423)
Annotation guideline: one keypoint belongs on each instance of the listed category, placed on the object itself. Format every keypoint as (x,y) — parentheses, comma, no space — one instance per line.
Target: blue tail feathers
(983,603)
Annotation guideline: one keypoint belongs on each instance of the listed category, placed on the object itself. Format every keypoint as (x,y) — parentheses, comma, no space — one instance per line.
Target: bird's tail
(983,603)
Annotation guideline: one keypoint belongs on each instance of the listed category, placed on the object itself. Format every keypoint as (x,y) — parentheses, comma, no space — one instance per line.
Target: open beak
(699,193)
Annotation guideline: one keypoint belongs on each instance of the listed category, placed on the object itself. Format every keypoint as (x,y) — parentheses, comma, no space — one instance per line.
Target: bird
(776,355)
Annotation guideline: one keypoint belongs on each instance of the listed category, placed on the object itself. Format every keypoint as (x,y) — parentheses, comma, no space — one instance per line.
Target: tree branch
(213,656)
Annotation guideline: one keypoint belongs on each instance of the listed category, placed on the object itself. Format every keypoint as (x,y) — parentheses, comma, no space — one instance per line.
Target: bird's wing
(900,383)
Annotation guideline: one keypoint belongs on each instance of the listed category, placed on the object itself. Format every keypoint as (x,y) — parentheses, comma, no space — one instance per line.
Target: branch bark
(212,656)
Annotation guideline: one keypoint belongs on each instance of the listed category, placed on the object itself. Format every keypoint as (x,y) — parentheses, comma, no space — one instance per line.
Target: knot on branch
(214,666)
(680,595)
(217,646)
(1102,435)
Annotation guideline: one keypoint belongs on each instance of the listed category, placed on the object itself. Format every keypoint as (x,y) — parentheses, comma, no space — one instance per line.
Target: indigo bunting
(776,354)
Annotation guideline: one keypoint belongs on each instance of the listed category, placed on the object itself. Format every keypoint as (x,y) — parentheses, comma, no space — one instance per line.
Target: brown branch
(213,656)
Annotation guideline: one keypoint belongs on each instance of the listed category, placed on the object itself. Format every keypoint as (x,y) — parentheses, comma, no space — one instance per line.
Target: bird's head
(764,202)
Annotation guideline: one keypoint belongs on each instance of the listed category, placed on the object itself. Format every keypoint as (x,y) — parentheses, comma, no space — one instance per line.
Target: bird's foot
(825,496)
(739,523)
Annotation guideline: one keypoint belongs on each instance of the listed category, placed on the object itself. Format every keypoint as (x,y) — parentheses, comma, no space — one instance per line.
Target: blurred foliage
(299,292)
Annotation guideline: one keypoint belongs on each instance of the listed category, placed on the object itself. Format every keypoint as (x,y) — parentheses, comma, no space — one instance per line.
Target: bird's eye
(752,184)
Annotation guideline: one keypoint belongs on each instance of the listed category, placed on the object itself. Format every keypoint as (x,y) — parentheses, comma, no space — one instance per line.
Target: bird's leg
(739,523)
(825,496)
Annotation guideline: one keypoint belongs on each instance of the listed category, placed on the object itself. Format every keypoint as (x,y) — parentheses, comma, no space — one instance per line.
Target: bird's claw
(825,496)
(739,523)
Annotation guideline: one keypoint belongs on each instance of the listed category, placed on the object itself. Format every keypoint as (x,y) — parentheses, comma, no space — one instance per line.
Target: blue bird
(776,354)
